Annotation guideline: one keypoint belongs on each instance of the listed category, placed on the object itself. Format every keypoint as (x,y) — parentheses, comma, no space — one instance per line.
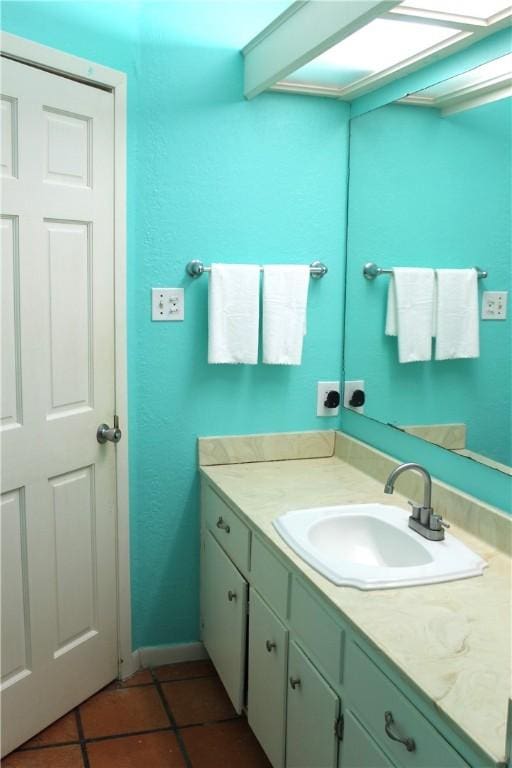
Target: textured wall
(223,179)
(431,190)
(211,176)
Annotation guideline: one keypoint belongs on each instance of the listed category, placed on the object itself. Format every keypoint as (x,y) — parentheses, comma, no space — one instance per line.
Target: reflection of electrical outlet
(494,305)
(348,391)
(167,304)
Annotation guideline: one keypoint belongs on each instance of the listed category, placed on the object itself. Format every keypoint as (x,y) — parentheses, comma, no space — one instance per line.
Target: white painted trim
(478,100)
(268,30)
(307,89)
(438,18)
(155,656)
(89,72)
(301,36)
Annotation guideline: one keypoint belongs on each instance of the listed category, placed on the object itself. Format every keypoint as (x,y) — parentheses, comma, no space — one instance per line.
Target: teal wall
(214,177)
(431,190)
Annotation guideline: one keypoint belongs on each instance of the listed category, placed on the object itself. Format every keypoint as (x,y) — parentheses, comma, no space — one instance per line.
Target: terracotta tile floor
(177,716)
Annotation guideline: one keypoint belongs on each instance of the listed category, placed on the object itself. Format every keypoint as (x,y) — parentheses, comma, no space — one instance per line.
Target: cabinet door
(312,711)
(268,661)
(358,749)
(224,616)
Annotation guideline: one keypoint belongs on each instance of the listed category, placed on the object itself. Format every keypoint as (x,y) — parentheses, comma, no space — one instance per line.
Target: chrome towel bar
(371,271)
(196,268)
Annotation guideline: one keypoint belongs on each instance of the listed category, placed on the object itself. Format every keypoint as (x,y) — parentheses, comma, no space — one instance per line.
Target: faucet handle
(415,510)
(437,522)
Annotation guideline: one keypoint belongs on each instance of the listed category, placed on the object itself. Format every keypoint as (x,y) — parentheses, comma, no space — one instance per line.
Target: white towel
(410,312)
(457,332)
(285,297)
(233,313)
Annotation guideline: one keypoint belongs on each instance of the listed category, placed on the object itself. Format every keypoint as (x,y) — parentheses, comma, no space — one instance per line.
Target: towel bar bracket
(196,268)
(371,270)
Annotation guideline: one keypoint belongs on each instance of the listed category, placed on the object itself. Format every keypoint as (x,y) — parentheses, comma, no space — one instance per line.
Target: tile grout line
(83,747)
(181,743)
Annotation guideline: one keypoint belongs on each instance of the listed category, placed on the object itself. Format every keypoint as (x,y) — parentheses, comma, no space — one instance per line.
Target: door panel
(59,644)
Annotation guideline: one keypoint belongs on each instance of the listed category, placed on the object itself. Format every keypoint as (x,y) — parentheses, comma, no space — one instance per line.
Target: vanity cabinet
(409,738)
(315,695)
(224,618)
(267,678)
(312,723)
(358,749)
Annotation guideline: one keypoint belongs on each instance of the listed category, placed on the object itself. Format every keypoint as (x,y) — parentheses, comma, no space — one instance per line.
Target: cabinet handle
(270,646)
(222,525)
(409,744)
(231,595)
(295,682)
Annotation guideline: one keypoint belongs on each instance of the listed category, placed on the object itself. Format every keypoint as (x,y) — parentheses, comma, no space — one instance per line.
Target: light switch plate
(494,305)
(167,304)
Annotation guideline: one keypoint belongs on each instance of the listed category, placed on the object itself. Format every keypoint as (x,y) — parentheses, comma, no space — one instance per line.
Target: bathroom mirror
(430,186)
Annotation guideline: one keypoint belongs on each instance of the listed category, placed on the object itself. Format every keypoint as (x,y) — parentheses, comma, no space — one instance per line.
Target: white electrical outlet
(167,304)
(348,390)
(494,305)
(322,390)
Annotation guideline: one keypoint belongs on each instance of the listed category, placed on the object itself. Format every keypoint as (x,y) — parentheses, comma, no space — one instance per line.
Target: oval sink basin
(370,546)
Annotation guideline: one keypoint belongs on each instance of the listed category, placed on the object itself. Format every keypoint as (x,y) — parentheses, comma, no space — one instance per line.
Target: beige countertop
(451,640)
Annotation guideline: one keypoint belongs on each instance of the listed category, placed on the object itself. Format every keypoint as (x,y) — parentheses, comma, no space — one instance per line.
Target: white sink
(370,546)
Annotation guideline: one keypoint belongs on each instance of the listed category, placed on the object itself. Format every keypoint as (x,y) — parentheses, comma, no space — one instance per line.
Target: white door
(59,603)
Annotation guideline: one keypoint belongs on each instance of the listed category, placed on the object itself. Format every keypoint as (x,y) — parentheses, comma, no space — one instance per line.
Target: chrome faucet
(423,520)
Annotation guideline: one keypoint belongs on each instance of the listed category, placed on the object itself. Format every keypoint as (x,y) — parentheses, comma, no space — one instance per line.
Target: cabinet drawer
(322,637)
(269,577)
(358,749)
(230,532)
(268,665)
(371,694)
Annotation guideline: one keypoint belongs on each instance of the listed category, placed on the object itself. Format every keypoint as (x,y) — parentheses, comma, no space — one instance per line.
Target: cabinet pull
(231,595)
(222,525)
(409,744)
(270,646)
(295,682)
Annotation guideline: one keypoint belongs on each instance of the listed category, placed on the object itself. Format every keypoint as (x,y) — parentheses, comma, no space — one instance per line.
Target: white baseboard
(154,656)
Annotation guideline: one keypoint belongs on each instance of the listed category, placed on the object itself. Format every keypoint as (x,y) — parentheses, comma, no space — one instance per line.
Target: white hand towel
(285,297)
(457,332)
(233,313)
(410,312)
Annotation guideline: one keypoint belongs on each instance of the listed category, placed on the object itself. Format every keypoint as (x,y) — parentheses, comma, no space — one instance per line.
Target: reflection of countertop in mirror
(484,460)
(451,640)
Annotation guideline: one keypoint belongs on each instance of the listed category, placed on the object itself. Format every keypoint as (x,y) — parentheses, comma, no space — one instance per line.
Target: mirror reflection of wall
(431,187)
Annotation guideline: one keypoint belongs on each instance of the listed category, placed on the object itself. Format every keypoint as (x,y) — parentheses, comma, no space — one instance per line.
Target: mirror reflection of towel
(457,325)
(410,312)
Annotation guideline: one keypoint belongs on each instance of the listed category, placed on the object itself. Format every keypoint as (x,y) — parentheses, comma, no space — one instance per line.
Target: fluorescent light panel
(476,9)
(380,44)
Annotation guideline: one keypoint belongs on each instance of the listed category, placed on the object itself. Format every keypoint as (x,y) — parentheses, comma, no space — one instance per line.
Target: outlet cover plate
(322,388)
(494,305)
(348,390)
(167,304)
